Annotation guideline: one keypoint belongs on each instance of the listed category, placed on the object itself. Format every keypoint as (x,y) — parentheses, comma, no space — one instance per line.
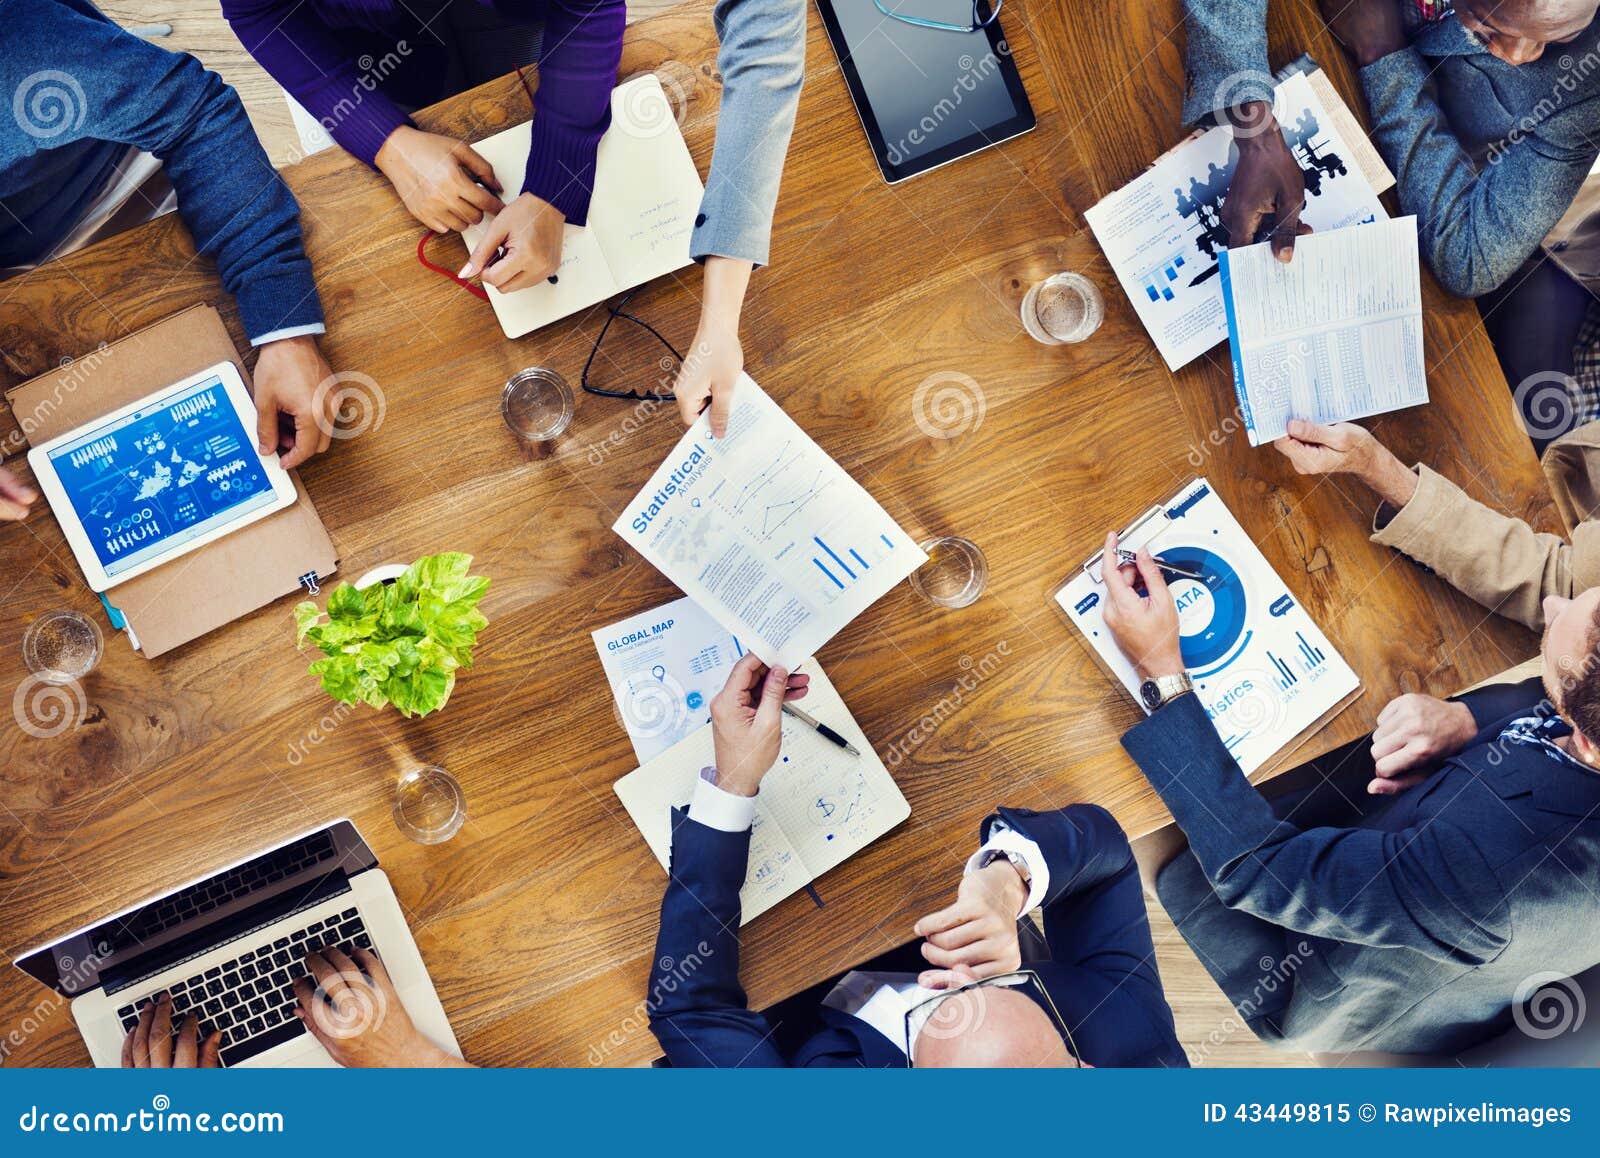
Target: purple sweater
(349,61)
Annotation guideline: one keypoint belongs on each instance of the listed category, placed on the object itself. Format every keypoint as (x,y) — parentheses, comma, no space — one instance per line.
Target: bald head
(1517,31)
(989,1028)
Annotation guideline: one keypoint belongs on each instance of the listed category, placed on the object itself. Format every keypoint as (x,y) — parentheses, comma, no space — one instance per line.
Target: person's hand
(747,722)
(439,179)
(351,1007)
(711,371)
(293,417)
(149,1044)
(1415,731)
(1268,183)
(530,229)
(978,934)
(1345,448)
(15,498)
(1368,29)
(1145,627)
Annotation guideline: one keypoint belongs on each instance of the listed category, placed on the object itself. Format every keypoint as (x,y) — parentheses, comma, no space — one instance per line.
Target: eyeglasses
(1024,980)
(979,20)
(615,311)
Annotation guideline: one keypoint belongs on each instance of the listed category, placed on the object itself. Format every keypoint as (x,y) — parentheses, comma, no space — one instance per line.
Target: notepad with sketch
(818,806)
(646,194)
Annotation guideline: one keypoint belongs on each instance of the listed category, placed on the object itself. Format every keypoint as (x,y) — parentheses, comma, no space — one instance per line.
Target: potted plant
(397,638)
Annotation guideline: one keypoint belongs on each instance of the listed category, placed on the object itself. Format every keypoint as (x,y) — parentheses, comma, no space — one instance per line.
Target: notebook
(1261,666)
(1333,335)
(818,806)
(646,194)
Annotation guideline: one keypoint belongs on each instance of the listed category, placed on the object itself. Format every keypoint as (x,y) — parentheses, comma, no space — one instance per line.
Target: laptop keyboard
(216,891)
(251,998)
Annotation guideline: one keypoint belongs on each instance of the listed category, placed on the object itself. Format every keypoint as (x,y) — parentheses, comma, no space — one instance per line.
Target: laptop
(229,946)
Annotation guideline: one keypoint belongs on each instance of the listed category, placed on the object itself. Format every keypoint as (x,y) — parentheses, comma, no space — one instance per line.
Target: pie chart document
(766,532)
(1262,668)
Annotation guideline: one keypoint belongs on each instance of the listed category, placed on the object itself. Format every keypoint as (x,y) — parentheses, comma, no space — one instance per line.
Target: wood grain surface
(537,921)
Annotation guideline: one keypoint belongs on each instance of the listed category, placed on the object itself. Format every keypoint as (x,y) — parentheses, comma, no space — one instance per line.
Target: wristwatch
(993,854)
(1158,691)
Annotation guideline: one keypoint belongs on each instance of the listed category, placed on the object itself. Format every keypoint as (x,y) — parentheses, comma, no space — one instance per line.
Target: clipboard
(1270,678)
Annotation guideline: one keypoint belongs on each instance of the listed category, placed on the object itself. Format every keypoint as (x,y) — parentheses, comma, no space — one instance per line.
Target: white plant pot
(384,574)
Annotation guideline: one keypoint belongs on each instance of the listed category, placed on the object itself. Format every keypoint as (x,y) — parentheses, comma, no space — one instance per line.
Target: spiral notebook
(818,806)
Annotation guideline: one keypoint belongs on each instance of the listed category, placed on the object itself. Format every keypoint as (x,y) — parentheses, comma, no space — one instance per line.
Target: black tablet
(926,96)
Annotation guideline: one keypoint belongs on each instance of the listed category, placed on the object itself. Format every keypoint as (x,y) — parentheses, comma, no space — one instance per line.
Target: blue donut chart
(1218,638)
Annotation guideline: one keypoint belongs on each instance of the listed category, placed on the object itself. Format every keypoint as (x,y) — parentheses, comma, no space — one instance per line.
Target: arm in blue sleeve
(696,1005)
(236,205)
(1425,888)
(762,61)
(1225,55)
(1476,227)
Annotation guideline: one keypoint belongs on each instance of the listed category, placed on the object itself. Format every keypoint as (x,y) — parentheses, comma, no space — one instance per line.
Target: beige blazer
(1574,243)
(1499,561)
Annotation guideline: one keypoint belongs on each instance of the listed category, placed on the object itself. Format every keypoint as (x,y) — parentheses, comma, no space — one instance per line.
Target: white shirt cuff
(290,332)
(1003,839)
(719,809)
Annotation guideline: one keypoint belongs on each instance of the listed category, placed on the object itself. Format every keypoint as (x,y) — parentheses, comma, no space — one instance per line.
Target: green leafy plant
(398,643)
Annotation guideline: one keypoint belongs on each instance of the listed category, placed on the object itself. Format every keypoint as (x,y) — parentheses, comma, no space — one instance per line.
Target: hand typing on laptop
(348,1004)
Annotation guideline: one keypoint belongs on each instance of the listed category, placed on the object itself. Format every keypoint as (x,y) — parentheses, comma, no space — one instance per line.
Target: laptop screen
(152,937)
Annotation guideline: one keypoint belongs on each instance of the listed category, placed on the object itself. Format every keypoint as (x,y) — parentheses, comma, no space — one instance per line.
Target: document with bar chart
(1262,668)
(767,532)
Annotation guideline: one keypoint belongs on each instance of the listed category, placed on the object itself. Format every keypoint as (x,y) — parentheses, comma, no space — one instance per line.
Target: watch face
(1150,693)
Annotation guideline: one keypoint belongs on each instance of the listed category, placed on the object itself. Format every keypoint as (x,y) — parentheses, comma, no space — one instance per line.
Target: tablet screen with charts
(160,477)
(926,96)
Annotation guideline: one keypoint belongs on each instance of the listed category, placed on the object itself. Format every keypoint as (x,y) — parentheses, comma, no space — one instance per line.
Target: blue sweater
(83,91)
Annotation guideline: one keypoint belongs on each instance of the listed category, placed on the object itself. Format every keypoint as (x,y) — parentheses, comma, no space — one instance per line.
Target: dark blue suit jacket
(1410,928)
(1101,976)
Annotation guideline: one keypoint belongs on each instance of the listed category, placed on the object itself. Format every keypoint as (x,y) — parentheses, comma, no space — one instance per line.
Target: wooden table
(537,921)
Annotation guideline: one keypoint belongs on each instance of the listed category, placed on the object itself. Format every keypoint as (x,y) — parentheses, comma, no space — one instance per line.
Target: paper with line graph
(766,532)
(818,806)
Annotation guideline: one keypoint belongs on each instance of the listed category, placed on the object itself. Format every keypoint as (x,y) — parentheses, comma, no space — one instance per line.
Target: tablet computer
(160,477)
(926,96)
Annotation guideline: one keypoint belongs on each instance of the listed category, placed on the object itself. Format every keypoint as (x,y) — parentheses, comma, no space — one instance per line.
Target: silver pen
(821,729)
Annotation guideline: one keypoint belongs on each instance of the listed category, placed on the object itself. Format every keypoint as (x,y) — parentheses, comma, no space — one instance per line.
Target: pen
(821,729)
(1128,557)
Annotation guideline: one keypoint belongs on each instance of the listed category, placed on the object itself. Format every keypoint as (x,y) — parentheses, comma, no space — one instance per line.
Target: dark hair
(1580,687)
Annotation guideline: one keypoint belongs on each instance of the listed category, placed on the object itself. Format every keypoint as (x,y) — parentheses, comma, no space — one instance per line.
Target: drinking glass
(62,647)
(1062,309)
(955,574)
(429,805)
(537,404)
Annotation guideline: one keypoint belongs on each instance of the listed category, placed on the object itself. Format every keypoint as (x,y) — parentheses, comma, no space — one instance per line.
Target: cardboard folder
(222,581)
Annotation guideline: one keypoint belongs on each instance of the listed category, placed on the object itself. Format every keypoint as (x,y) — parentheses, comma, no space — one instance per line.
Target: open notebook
(819,806)
(646,194)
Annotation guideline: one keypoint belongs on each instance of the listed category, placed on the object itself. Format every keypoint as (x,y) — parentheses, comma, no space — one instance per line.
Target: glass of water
(1063,309)
(62,647)
(429,805)
(955,574)
(537,405)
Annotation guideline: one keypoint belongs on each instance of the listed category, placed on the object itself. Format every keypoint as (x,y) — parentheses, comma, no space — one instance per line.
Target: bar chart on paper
(1307,660)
